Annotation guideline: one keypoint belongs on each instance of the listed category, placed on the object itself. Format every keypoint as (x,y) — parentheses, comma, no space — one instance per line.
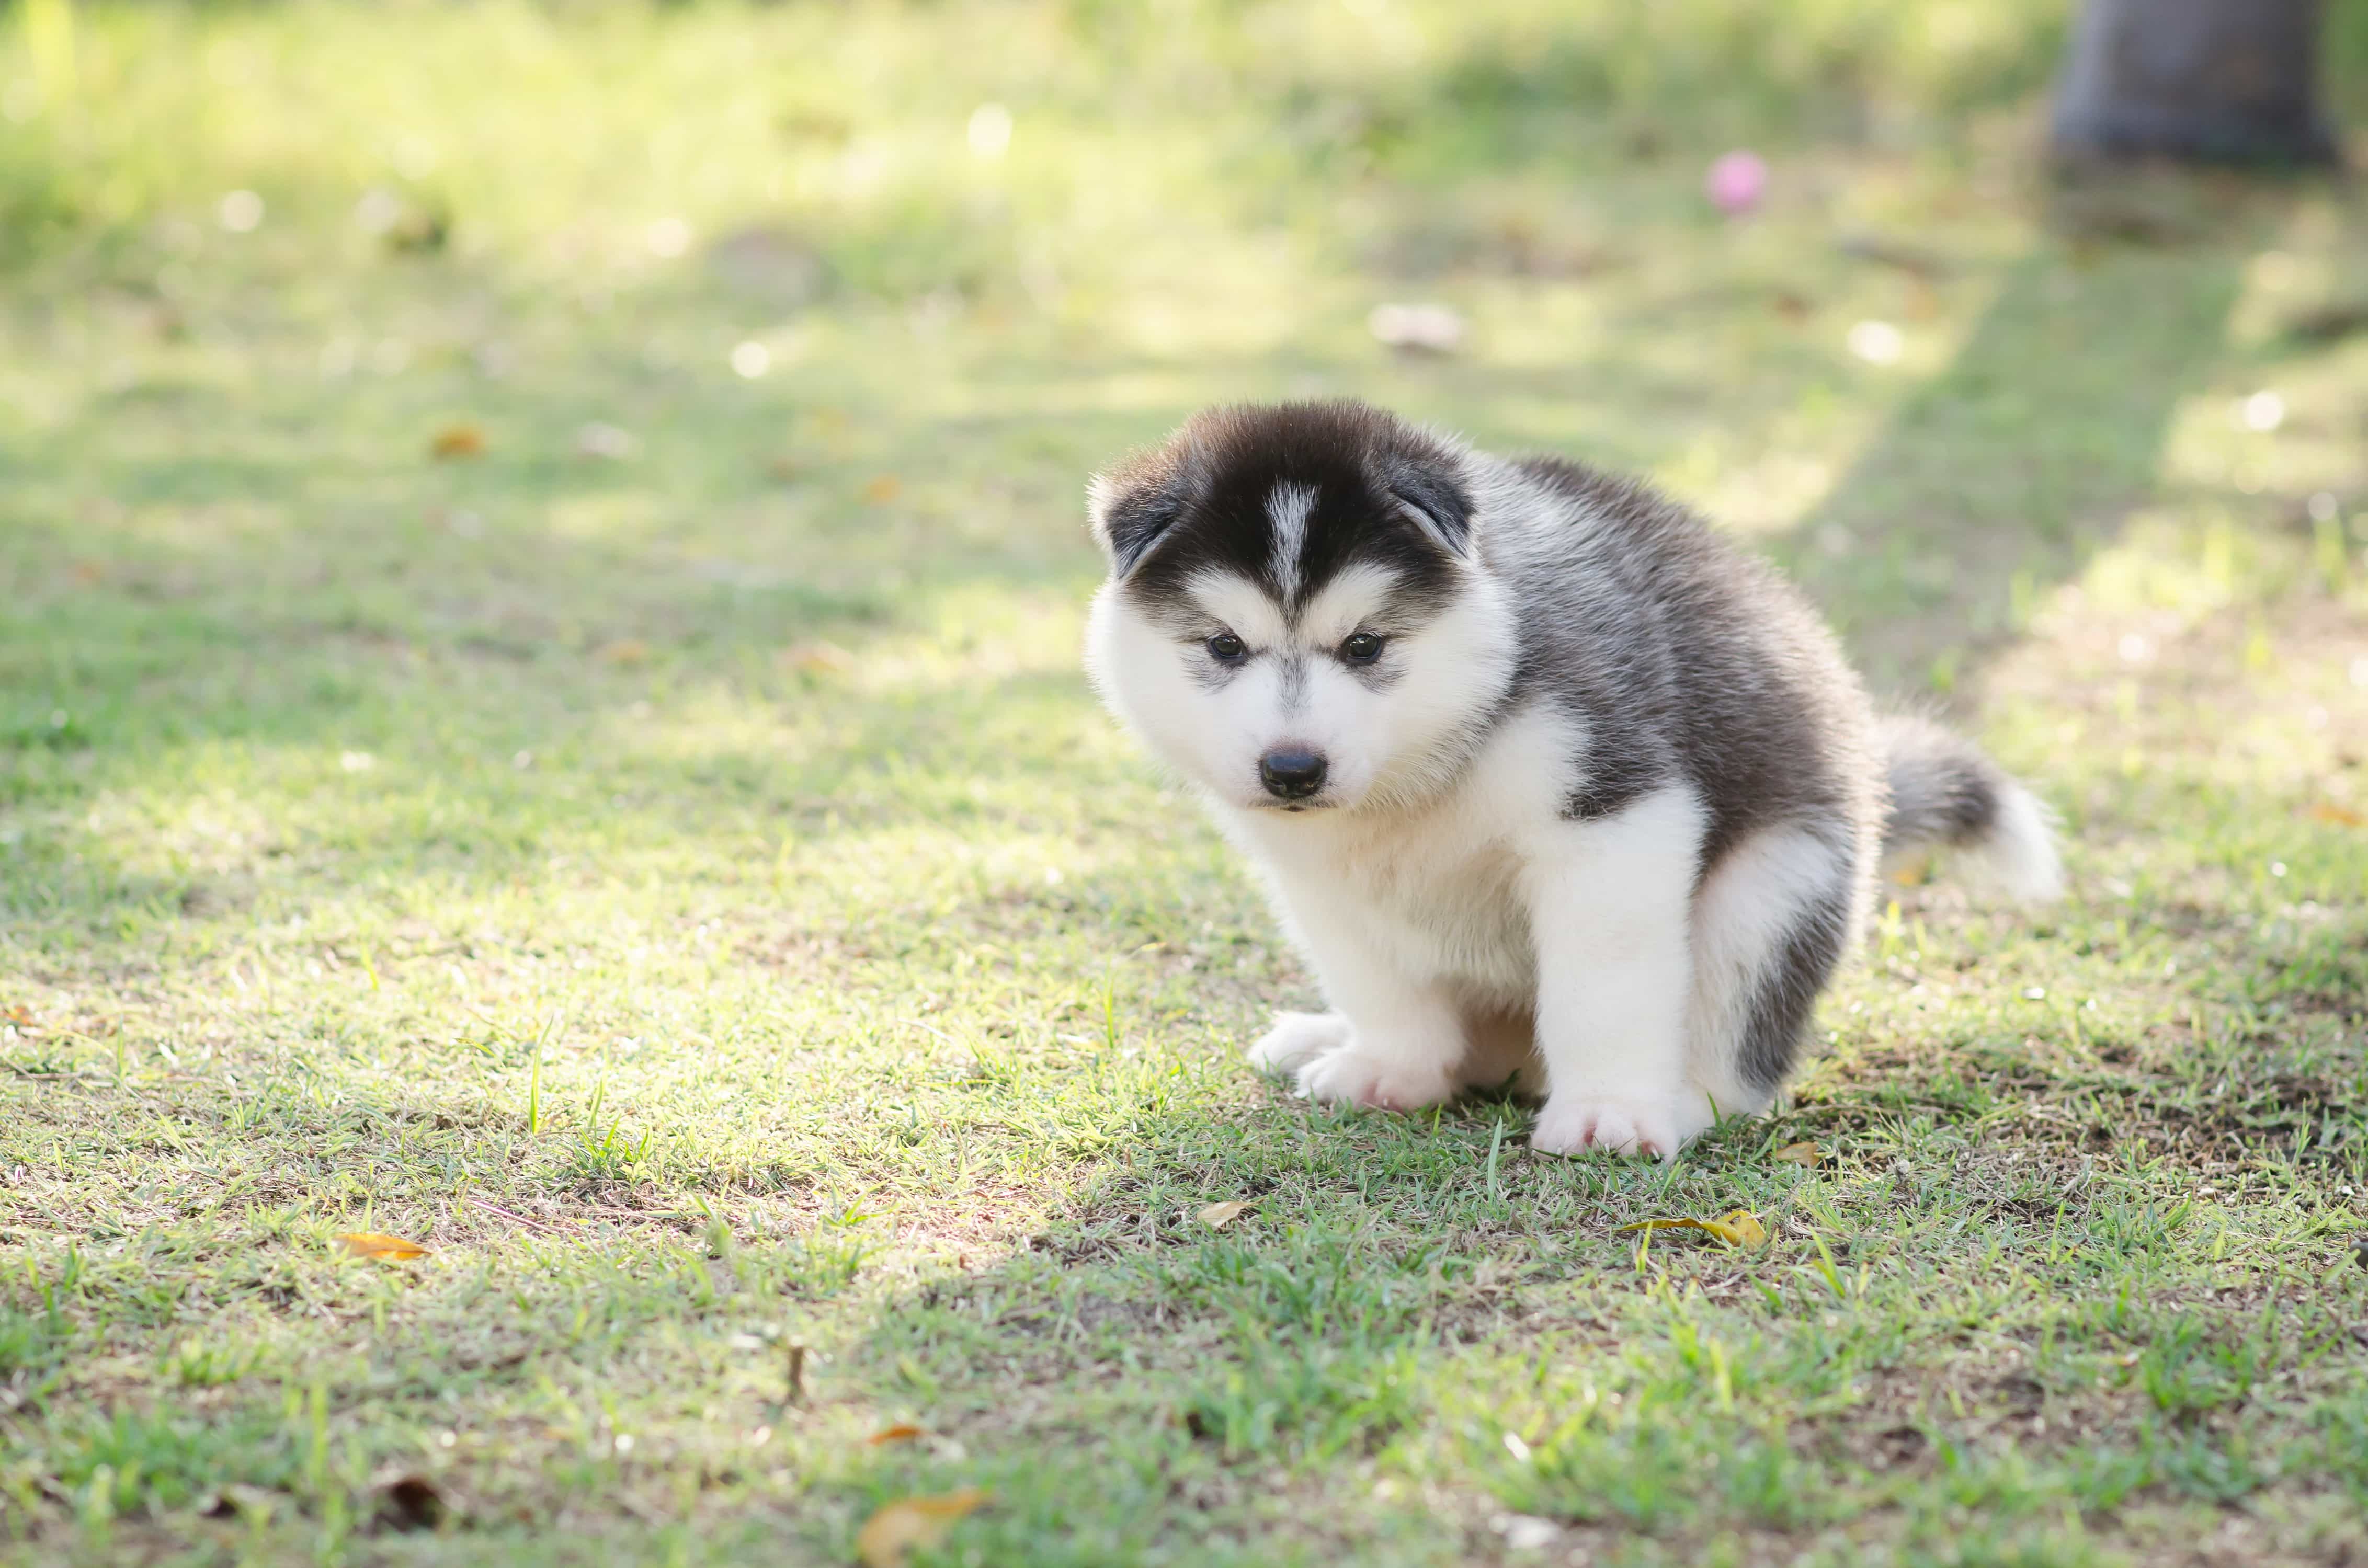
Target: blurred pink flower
(1736,182)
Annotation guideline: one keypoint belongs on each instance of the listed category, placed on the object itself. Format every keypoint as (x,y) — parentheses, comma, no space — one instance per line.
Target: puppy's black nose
(1291,773)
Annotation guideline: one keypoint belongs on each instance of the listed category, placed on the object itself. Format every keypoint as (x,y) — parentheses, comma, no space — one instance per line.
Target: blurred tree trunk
(2218,80)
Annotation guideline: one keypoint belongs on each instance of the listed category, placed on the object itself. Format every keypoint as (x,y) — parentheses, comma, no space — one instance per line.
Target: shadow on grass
(1388,1266)
(1998,479)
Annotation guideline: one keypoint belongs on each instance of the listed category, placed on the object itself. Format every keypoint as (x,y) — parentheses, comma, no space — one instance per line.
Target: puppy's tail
(1946,794)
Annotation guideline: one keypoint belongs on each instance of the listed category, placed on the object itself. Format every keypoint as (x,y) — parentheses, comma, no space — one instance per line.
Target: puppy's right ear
(1132,507)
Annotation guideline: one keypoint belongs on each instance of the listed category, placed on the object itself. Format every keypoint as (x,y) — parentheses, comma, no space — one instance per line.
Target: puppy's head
(1295,617)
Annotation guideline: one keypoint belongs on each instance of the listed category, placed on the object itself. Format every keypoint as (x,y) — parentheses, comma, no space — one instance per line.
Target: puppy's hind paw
(1618,1124)
(1298,1039)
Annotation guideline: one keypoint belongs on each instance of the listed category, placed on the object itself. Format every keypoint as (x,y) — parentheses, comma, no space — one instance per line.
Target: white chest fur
(1434,888)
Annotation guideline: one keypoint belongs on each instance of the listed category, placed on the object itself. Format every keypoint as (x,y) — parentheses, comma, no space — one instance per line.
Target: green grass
(694,894)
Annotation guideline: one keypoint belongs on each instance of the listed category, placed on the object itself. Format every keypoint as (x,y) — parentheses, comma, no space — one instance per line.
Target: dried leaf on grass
(457,441)
(1805,1154)
(884,489)
(818,658)
(2340,816)
(1217,1216)
(903,1432)
(1739,1227)
(899,1526)
(376,1245)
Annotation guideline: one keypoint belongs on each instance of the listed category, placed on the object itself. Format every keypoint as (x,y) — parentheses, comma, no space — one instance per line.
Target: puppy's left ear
(1430,493)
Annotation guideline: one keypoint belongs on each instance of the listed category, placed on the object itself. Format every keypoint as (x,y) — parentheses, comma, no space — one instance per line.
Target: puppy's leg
(1403,1049)
(1608,901)
(1393,1043)
(1772,923)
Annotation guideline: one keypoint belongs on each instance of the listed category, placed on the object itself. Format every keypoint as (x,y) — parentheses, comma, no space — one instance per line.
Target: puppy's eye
(1228,649)
(1362,649)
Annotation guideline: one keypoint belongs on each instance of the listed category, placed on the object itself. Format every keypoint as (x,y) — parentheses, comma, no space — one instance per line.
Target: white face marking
(1287,509)
(1351,601)
(1384,727)
(1239,606)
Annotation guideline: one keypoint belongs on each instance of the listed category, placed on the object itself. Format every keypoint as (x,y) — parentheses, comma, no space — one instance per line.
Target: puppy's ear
(1430,493)
(1132,506)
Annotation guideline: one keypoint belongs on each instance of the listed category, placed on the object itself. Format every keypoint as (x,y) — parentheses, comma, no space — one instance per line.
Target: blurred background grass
(561,134)
(1034,230)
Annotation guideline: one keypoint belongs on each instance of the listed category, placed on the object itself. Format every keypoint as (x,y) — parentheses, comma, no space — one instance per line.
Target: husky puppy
(1545,777)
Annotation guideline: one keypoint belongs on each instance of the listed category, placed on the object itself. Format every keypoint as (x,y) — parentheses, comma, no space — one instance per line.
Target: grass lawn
(539,714)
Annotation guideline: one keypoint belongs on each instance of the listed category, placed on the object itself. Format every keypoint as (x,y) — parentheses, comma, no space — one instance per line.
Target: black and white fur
(1543,773)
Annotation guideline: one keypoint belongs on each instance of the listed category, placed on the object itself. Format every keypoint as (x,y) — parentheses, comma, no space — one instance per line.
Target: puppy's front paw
(1298,1039)
(1348,1074)
(1576,1122)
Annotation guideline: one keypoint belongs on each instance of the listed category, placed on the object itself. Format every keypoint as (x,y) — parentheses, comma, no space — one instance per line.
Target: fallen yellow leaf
(458,441)
(903,1432)
(1802,1153)
(1217,1216)
(817,657)
(1742,1227)
(885,488)
(1657,1225)
(630,651)
(1739,1227)
(373,1243)
(908,1522)
(2341,816)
